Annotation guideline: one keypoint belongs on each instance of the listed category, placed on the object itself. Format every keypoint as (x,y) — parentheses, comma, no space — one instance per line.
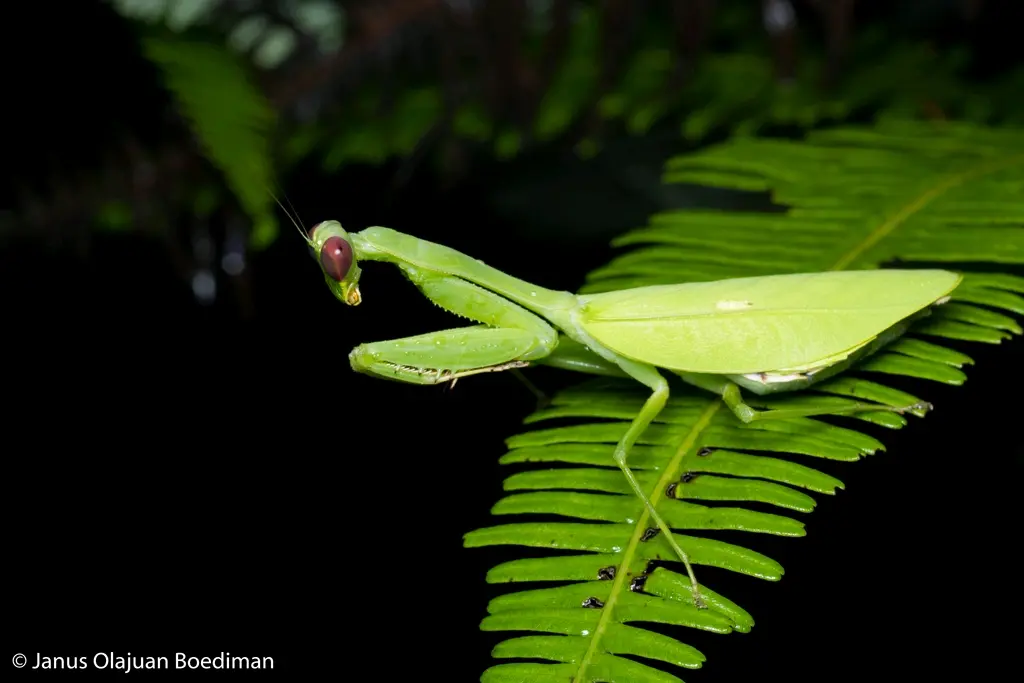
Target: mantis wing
(759,324)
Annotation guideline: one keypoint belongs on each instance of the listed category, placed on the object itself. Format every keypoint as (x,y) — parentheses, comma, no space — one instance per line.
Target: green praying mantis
(765,334)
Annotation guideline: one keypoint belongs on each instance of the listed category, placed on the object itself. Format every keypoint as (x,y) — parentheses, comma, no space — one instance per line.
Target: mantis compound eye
(336,258)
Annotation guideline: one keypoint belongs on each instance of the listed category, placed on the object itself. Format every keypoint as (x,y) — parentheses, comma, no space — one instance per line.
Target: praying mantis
(765,334)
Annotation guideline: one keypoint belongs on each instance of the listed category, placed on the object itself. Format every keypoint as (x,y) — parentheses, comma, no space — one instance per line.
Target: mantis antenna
(293,216)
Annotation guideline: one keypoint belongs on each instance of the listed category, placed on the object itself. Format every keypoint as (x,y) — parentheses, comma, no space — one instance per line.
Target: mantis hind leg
(733,399)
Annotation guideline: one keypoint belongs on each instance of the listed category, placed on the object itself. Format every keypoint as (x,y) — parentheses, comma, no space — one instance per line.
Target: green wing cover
(759,324)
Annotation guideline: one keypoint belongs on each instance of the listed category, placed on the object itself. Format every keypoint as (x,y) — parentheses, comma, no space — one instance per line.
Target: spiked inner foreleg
(510,336)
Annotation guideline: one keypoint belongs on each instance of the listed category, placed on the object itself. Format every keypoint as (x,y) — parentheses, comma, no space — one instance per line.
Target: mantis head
(333,250)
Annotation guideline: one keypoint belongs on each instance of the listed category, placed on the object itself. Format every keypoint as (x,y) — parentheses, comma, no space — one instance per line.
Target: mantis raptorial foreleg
(515,336)
(446,355)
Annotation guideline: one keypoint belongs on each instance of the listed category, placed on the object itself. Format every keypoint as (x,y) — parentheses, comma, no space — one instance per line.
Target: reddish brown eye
(336,258)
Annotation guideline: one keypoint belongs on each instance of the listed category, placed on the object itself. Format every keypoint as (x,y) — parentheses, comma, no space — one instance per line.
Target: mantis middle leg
(511,337)
(650,377)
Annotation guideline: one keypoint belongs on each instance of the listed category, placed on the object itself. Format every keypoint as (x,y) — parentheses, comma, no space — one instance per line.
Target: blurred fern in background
(369,102)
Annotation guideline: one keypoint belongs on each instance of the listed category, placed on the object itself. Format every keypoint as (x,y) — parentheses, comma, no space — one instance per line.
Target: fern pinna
(854,198)
(231,118)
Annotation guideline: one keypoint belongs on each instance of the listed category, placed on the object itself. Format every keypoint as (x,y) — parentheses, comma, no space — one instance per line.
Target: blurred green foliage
(730,92)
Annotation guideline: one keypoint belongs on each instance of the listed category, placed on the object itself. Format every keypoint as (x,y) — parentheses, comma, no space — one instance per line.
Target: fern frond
(854,198)
(230,117)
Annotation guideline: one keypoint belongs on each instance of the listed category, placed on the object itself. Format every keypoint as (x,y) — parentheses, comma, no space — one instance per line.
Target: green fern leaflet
(231,118)
(856,198)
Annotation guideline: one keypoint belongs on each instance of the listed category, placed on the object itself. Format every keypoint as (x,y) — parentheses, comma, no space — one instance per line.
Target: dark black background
(179,479)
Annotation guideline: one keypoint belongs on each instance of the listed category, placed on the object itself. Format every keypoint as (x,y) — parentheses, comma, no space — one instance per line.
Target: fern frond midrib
(919,203)
(668,475)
